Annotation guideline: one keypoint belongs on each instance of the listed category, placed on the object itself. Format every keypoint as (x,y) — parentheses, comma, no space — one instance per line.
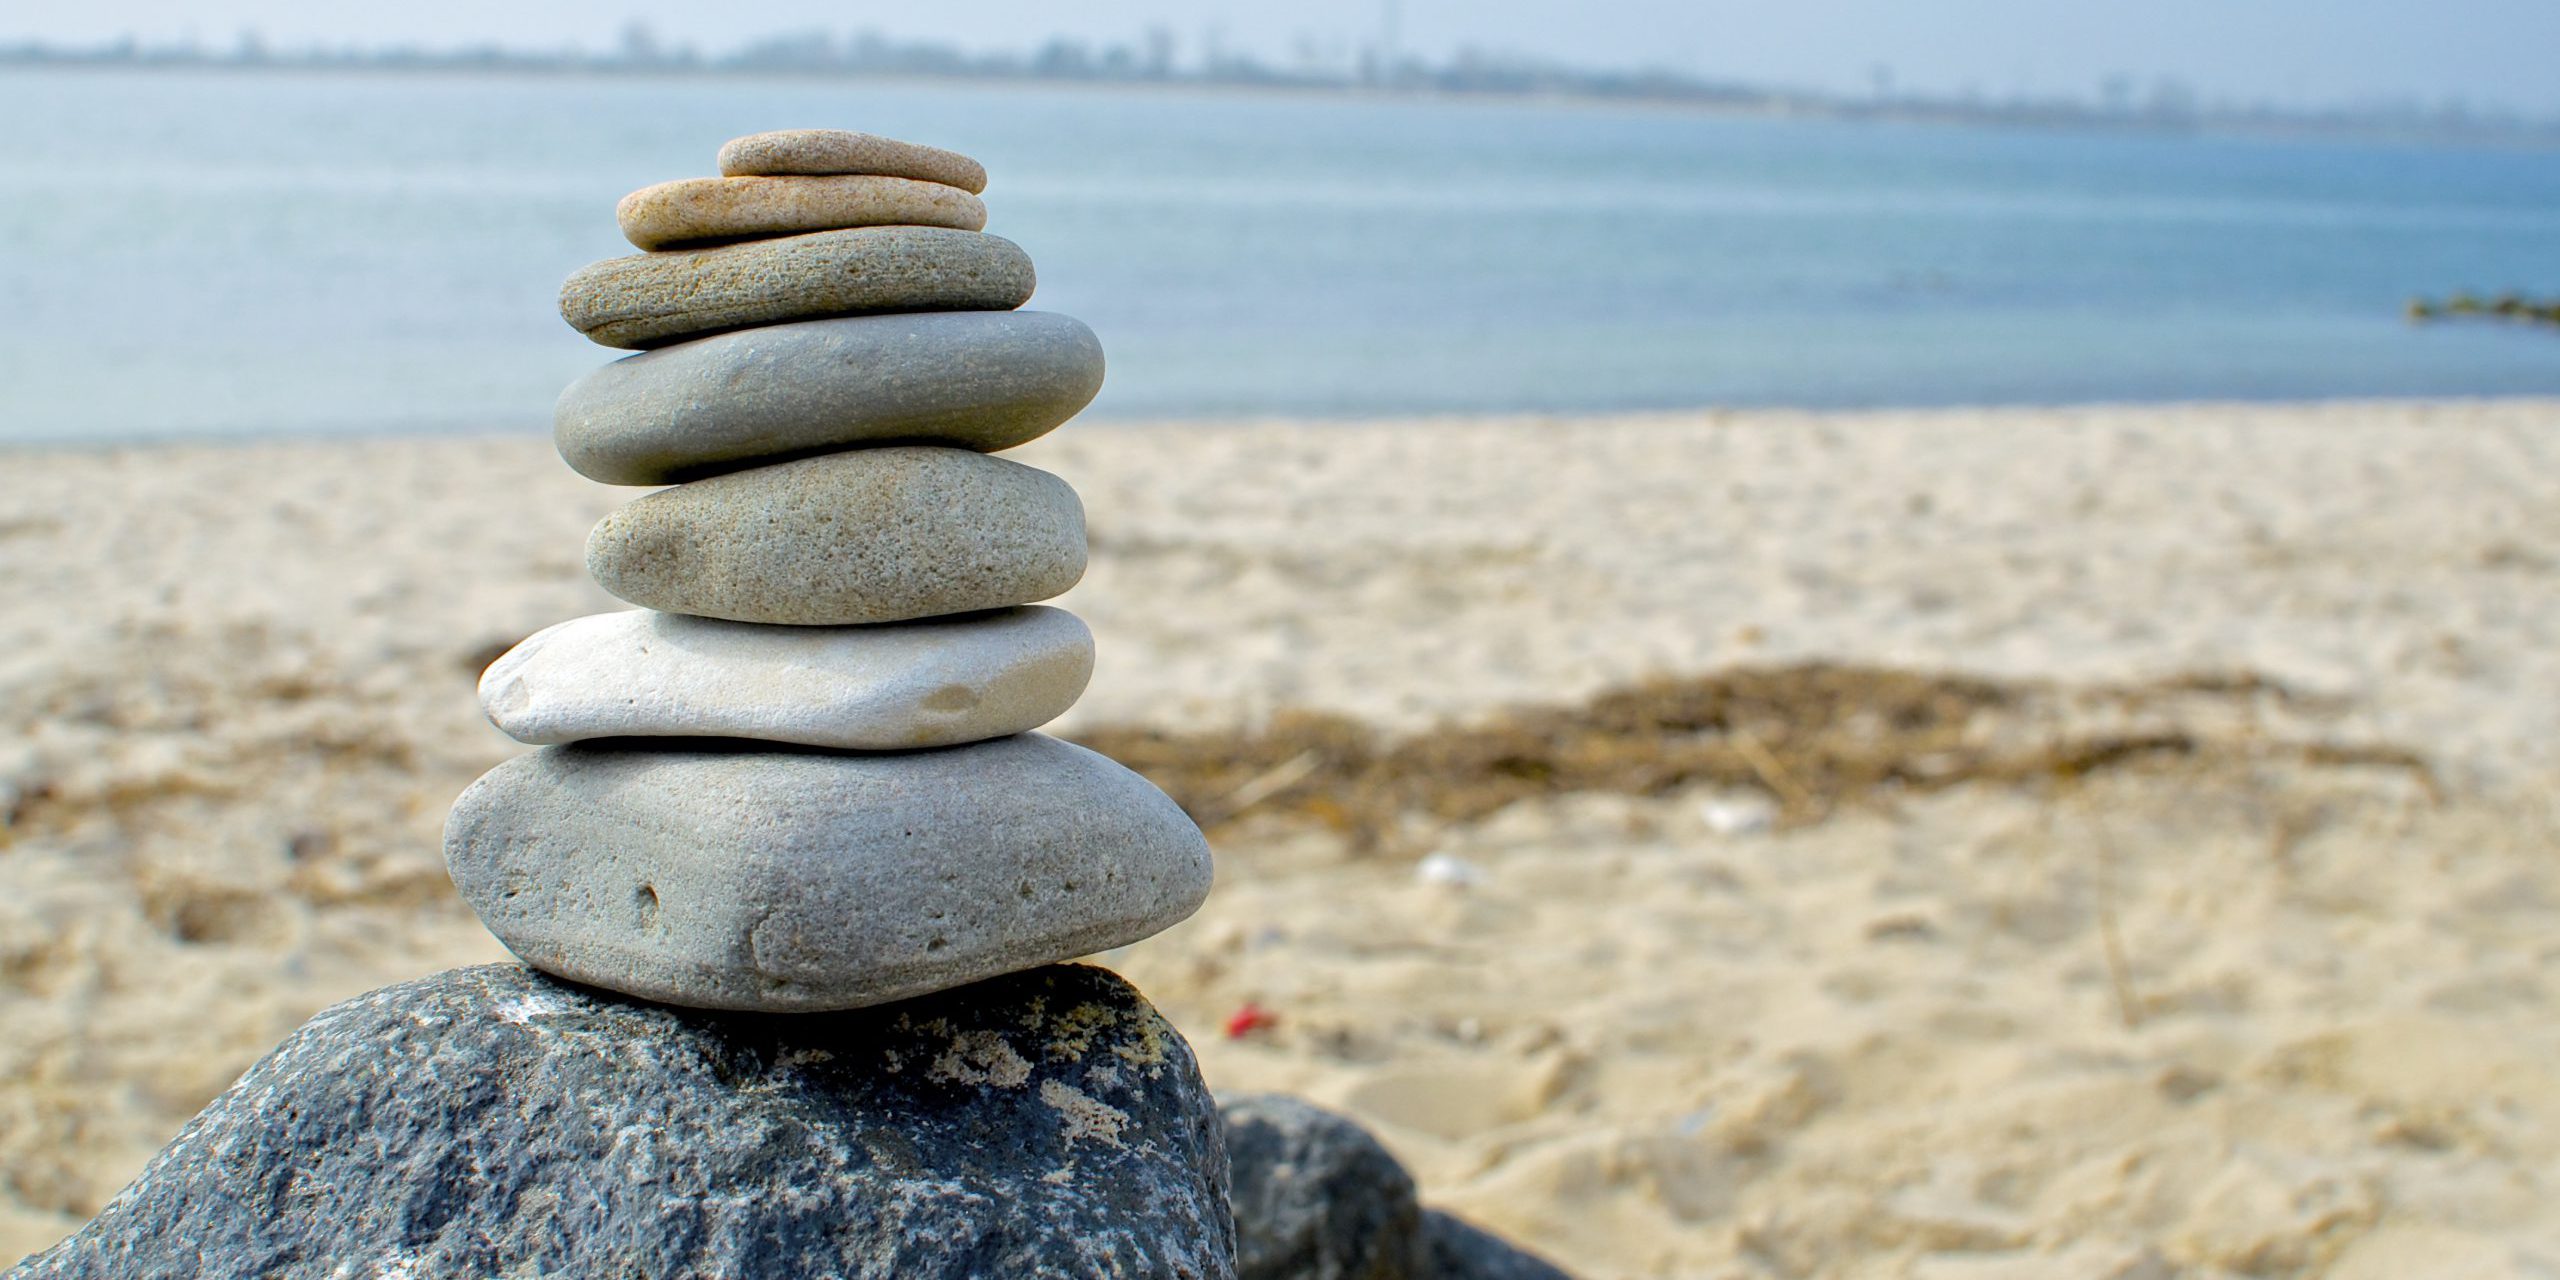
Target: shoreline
(1986,413)
(1749,102)
(2247,1003)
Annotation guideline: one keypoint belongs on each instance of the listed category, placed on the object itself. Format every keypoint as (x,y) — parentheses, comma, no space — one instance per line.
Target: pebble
(1449,871)
(983,380)
(1317,1197)
(874,535)
(691,210)
(813,151)
(786,881)
(896,687)
(1740,815)
(651,299)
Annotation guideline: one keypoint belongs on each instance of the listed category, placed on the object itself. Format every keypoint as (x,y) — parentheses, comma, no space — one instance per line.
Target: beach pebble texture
(984,380)
(651,299)
(748,877)
(491,1121)
(894,687)
(691,210)
(816,151)
(874,535)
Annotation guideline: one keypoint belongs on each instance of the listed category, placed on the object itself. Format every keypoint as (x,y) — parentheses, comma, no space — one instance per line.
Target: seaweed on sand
(1815,737)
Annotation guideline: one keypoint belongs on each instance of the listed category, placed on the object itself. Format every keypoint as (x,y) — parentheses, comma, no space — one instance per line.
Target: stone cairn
(802,776)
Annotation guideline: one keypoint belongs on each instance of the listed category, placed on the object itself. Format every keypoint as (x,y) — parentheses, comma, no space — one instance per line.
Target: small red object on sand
(1249,1019)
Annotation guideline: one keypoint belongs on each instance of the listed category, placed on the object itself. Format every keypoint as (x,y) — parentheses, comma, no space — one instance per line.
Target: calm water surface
(206,253)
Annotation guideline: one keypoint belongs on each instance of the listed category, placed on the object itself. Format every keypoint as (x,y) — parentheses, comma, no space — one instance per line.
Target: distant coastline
(2165,106)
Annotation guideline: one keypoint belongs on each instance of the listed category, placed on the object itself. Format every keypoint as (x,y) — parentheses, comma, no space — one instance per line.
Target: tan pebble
(698,209)
(812,151)
(651,299)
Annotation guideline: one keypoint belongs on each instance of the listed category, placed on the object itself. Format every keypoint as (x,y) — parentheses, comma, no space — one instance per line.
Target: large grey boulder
(1317,1198)
(495,1122)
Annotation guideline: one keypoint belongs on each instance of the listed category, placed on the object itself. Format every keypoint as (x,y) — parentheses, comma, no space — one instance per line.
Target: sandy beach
(2212,936)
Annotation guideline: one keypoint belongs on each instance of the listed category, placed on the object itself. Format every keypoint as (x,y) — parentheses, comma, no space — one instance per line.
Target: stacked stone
(802,776)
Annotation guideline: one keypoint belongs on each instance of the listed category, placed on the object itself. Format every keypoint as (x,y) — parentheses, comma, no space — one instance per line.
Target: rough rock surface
(746,877)
(894,687)
(1317,1198)
(495,1122)
(690,210)
(843,151)
(874,535)
(984,380)
(651,299)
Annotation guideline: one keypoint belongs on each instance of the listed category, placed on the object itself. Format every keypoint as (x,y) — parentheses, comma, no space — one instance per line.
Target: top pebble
(830,151)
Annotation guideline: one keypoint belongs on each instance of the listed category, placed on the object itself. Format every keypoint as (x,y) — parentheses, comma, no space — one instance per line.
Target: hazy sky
(2290,50)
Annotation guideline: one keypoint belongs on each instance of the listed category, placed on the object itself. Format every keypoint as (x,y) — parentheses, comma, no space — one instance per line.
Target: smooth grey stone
(652,299)
(983,380)
(701,210)
(876,535)
(494,1122)
(899,686)
(745,877)
(1317,1198)
(844,151)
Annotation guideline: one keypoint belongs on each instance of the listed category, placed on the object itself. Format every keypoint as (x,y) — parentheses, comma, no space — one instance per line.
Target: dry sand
(2241,1012)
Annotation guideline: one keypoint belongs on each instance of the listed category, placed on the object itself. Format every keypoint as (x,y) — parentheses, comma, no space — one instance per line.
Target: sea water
(190,253)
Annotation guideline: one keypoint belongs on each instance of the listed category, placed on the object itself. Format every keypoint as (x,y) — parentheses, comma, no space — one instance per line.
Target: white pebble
(1739,816)
(1448,869)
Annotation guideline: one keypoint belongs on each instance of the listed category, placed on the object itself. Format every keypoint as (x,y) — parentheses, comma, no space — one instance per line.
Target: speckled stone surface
(494,1122)
(983,380)
(735,876)
(895,687)
(698,209)
(651,299)
(875,535)
(844,151)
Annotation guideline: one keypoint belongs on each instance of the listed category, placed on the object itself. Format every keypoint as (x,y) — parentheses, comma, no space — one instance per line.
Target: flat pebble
(651,299)
(690,210)
(983,380)
(895,687)
(844,151)
(770,879)
(875,535)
